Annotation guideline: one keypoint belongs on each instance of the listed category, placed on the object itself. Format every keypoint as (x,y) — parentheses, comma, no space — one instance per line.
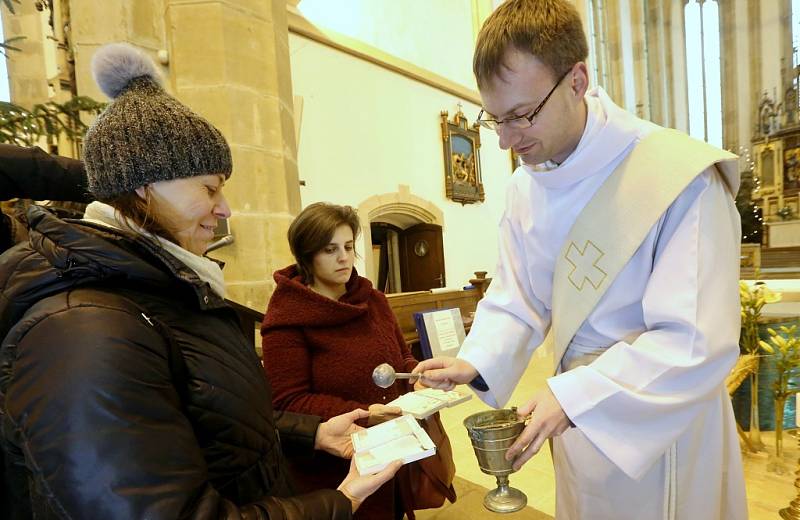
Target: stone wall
(229,62)
(28,69)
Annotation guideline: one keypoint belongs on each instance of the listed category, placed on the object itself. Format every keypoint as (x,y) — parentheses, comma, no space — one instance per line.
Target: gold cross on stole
(584,265)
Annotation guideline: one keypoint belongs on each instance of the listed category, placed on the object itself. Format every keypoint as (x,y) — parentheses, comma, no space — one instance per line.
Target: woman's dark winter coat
(319,355)
(127,389)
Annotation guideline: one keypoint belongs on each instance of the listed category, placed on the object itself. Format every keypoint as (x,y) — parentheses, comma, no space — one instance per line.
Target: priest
(623,239)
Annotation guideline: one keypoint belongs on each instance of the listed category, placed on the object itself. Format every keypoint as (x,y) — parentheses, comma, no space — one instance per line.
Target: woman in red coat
(326,328)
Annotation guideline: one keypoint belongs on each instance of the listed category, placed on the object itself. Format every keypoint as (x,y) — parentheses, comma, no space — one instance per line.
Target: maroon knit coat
(319,355)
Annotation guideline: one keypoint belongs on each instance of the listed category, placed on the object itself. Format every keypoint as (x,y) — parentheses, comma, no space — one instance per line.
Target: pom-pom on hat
(145,135)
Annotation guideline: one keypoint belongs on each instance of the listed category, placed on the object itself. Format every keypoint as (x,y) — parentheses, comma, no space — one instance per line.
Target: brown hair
(141,212)
(313,229)
(551,30)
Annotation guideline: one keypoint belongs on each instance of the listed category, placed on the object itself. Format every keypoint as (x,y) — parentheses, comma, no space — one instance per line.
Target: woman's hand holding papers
(333,436)
(445,372)
(358,488)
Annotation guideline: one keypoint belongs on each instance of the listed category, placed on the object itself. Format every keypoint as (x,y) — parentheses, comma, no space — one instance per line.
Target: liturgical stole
(619,217)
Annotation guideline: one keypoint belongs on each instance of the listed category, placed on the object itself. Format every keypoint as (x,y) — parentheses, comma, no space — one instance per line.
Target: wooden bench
(404,305)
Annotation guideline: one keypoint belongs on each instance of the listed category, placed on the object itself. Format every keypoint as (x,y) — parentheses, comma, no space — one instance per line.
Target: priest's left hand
(547,420)
(333,436)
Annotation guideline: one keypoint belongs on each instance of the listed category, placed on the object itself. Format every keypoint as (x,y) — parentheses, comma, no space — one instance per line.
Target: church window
(703,70)
(598,47)
(795,32)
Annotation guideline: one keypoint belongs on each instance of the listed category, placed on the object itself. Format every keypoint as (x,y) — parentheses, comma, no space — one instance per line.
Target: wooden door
(421,258)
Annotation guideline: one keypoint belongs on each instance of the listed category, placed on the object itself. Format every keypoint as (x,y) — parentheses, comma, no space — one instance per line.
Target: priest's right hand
(358,488)
(445,372)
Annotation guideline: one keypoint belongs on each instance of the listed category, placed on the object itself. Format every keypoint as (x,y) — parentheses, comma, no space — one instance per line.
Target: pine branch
(26,127)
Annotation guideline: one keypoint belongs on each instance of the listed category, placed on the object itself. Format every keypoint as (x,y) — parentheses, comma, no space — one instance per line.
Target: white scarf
(208,270)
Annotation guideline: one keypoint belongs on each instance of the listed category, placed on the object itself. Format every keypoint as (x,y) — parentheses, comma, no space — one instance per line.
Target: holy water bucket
(492,433)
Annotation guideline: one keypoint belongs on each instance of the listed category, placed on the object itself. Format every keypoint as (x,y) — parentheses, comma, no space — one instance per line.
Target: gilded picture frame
(769,166)
(461,144)
(791,170)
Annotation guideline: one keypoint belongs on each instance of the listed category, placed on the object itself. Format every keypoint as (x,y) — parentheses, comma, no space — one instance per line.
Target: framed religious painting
(462,166)
(769,166)
(791,165)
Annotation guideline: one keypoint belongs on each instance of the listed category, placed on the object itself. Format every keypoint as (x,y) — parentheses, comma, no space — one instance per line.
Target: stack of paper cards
(399,439)
(424,403)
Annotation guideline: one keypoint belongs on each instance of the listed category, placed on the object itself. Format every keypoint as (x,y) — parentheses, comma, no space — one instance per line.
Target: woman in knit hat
(127,389)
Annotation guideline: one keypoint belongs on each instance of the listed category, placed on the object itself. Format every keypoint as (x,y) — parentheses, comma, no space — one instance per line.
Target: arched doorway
(403,242)
(406,260)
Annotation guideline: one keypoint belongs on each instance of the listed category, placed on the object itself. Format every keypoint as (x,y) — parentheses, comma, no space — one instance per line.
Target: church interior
(372,104)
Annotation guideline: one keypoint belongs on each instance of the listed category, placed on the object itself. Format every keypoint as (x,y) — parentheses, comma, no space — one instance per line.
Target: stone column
(680,88)
(787,63)
(229,60)
(666,93)
(654,30)
(785,28)
(138,22)
(729,60)
(597,36)
(27,70)
(754,29)
(745,111)
(639,39)
(615,68)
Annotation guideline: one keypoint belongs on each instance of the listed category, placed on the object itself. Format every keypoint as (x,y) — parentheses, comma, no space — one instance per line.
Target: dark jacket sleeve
(102,430)
(298,432)
(31,173)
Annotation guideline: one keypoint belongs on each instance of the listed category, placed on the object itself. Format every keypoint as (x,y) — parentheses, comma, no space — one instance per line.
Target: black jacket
(32,173)
(129,391)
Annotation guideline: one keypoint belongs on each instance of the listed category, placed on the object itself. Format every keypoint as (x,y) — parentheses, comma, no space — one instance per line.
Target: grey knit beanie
(145,135)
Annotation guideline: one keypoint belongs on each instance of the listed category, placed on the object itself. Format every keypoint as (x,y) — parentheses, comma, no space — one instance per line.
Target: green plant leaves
(26,127)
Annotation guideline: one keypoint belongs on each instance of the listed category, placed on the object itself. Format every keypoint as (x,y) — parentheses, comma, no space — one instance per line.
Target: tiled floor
(767,491)
(469,506)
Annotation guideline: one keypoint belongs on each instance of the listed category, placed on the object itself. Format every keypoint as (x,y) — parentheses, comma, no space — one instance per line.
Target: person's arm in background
(31,173)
